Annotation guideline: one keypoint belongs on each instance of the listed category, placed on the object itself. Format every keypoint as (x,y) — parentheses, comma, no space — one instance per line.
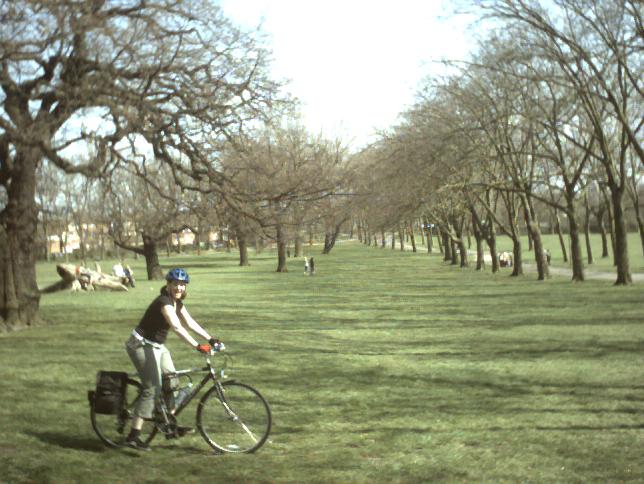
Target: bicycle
(232,417)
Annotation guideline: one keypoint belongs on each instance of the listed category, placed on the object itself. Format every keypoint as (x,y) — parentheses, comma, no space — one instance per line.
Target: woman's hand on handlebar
(216,344)
(214,347)
(204,349)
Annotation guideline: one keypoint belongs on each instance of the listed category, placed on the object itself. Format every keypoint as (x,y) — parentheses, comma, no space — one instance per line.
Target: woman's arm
(171,317)
(193,325)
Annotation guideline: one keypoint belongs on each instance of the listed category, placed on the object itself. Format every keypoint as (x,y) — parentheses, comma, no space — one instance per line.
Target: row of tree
(545,118)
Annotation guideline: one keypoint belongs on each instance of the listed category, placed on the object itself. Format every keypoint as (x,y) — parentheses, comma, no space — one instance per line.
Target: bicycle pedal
(180,432)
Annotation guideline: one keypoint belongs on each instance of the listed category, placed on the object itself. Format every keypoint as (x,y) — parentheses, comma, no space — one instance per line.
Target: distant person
(125,274)
(84,277)
(118,271)
(548,256)
(311,266)
(129,275)
(147,350)
(306,266)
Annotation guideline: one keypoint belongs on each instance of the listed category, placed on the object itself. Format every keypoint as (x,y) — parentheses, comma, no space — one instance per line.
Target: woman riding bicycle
(149,354)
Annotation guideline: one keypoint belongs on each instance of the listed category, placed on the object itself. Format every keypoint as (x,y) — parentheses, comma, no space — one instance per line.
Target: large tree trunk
(604,237)
(491,242)
(543,270)
(575,245)
(517,257)
(462,253)
(330,237)
(621,245)
(454,251)
(480,254)
(490,238)
(281,250)
(460,243)
(478,236)
(610,210)
(412,239)
(243,249)
(19,296)
(421,232)
(534,234)
(151,255)
(428,235)
(242,242)
(447,246)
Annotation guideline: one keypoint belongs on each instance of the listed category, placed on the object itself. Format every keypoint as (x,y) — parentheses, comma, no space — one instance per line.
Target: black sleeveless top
(153,325)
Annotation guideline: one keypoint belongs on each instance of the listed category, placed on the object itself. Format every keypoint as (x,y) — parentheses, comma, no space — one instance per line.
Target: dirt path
(588,274)
(566,272)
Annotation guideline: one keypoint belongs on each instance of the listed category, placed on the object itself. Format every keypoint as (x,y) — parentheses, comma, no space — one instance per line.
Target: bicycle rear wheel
(234,417)
(113,429)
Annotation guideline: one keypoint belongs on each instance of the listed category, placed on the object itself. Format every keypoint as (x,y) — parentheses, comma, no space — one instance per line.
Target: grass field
(384,367)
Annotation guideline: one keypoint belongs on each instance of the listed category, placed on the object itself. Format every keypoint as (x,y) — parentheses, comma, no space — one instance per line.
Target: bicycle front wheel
(113,429)
(234,417)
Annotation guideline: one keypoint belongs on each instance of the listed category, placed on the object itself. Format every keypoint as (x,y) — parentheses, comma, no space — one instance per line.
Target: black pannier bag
(109,396)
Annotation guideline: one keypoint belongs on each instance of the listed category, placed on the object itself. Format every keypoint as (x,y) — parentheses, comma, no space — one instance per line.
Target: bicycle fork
(231,414)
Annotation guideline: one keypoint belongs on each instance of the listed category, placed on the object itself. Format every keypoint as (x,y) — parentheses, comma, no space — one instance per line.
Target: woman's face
(176,289)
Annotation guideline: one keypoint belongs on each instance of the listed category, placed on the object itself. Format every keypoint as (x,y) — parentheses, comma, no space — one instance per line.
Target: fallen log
(76,278)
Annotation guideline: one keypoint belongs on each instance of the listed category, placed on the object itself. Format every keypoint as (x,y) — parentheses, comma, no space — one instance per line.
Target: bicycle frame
(210,376)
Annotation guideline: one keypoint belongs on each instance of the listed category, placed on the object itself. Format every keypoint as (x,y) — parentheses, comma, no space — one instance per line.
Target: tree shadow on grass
(183,448)
(67,441)
(571,427)
(91,444)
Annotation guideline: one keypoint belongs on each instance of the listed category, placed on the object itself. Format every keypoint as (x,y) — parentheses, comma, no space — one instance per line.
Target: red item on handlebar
(203,348)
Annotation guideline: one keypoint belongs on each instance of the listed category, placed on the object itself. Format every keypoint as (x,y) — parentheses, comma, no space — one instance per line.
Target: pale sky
(354,64)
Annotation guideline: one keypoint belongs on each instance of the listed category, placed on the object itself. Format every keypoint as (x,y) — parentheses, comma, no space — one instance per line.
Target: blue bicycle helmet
(177,274)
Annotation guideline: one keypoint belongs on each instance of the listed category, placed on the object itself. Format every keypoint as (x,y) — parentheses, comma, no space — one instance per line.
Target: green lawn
(384,367)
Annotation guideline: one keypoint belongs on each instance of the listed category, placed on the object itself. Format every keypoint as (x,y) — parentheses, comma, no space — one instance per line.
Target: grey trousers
(151,361)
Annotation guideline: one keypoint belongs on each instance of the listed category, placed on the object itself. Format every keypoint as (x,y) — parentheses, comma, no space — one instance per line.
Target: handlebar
(217,347)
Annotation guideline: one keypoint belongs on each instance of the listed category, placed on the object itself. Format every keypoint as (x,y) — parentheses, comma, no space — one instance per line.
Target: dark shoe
(179,432)
(137,444)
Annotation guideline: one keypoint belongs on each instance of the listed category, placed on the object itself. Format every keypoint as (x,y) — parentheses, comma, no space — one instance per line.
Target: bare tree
(143,216)
(597,47)
(276,177)
(177,74)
